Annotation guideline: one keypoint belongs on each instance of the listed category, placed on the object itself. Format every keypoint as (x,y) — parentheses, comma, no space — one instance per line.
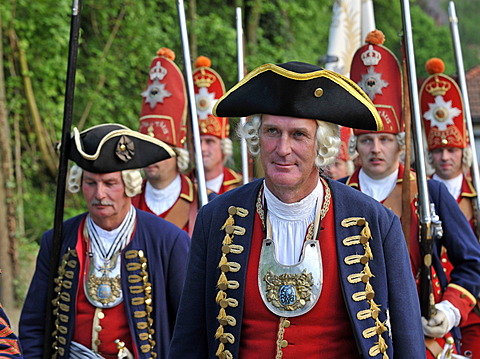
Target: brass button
(229,229)
(286,323)
(318,92)
(101,315)
(232,210)
(226,249)
(224,303)
(98,342)
(361,222)
(223,286)
(98,328)
(284,343)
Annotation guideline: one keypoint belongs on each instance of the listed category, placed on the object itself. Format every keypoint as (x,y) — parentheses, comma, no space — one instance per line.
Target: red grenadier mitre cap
(377,71)
(164,105)
(209,87)
(441,104)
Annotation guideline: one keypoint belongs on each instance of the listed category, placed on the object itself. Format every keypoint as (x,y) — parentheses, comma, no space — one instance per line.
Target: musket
(474,172)
(241,75)
(430,225)
(200,172)
(62,175)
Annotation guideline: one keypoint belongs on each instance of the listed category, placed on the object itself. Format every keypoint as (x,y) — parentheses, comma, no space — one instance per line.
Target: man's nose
(284,146)
(203,145)
(100,191)
(376,145)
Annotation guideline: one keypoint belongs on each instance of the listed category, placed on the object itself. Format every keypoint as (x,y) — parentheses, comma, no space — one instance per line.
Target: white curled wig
(131,178)
(327,140)
(227,149)
(183,159)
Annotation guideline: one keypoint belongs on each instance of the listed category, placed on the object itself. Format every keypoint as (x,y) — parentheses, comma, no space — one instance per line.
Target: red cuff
(461,298)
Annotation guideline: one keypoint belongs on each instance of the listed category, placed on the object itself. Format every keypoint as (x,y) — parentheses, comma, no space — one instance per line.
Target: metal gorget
(101,279)
(102,284)
(293,290)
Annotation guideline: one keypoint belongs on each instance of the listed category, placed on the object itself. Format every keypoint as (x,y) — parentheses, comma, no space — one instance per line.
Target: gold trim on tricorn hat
(301,90)
(112,147)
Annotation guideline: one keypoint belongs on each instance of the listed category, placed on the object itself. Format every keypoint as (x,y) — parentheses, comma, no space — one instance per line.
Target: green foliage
(109,83)
(468,31)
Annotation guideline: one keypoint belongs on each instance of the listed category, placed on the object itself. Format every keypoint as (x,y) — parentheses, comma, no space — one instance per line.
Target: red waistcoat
(323,332)
(114,324)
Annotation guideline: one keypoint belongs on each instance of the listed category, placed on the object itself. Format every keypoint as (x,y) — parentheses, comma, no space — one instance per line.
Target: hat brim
(300,90)
(112,147)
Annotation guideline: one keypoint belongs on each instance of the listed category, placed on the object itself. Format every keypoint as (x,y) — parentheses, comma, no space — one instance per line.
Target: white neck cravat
(454,185)
(215,183)
(378,189)
(160,200)
(289,223)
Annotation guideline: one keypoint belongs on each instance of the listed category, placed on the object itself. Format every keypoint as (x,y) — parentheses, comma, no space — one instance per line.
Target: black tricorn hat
(298,89)
(112,147)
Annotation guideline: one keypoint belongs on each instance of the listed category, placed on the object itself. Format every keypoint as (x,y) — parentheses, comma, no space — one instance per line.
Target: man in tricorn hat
(167,192)
(9,344)
(122,269)
(381,176)
(295,264)
(450,155)
(217,147)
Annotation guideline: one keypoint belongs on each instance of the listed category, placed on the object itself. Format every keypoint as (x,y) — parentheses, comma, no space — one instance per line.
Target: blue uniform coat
(393,284)
(165,247)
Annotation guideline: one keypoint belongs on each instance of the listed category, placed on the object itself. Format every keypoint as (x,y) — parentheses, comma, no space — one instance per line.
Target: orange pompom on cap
(166,52)
(435,66)
(203,61)
(375,37)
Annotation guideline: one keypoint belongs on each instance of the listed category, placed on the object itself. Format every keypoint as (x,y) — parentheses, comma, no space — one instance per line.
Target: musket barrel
(200,172)
(425,216)
(466,103)
(62,174)
(425,213)
(241,75)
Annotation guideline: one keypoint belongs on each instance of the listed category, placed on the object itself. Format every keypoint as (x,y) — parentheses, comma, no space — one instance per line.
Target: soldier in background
(217,148)
(167,191)
(121,270)
(381,176)
(450,156)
